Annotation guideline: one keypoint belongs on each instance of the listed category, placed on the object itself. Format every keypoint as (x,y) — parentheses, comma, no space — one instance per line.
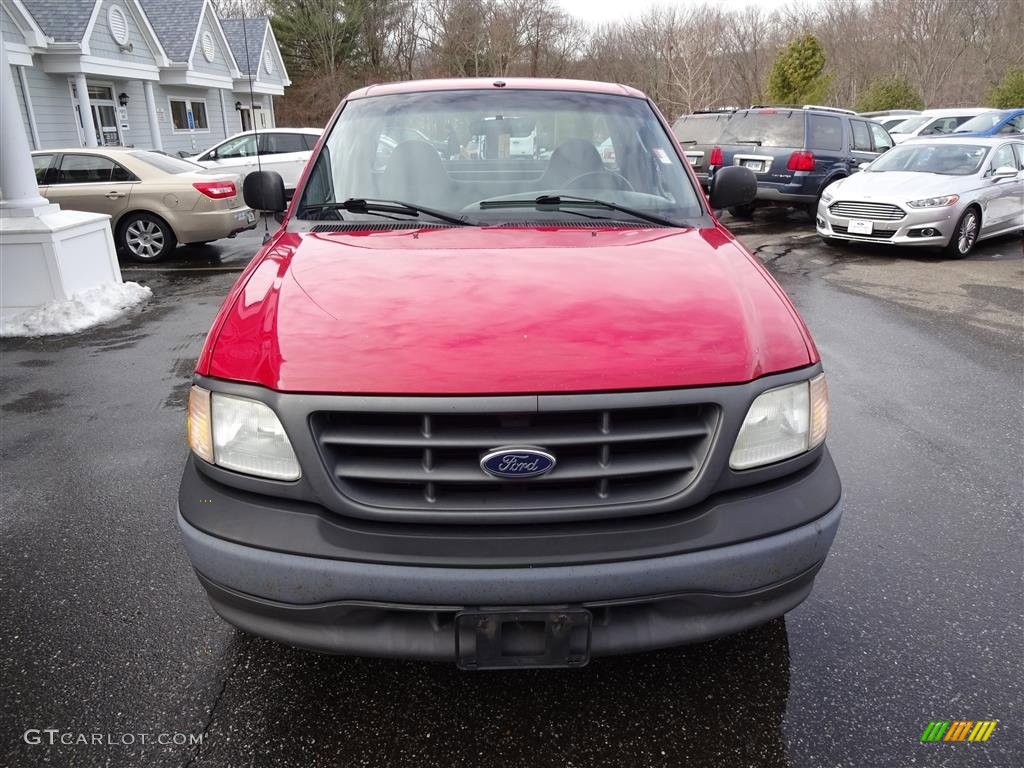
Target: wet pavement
(915,617)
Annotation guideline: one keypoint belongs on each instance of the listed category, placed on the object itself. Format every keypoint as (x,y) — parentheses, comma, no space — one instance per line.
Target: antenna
(252,107)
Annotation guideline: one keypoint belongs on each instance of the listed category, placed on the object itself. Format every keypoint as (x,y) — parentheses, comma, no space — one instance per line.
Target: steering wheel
(620,181)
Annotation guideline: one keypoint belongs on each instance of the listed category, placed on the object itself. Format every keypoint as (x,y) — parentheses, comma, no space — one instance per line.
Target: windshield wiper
(370,205)
(567,201)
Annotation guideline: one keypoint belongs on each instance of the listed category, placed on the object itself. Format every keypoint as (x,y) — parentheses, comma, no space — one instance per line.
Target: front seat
(415,174)
(572,158)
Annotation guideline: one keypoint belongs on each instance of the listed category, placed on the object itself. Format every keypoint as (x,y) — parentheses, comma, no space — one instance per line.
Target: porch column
(19,195)
(47,254)
(224,112)
(85,109)
(154,125)
(29,111)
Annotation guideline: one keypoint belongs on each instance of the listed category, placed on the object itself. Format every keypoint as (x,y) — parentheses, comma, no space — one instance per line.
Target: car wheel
(742,211)
(146,237)
(965,235)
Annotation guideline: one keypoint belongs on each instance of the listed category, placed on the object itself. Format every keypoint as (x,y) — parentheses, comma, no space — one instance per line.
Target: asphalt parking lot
(915,617)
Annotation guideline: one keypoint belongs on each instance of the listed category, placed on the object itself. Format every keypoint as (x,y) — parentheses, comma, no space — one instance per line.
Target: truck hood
(503,311)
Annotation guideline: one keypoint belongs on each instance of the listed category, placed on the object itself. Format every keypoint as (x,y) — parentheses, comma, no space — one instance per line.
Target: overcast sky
(598,11)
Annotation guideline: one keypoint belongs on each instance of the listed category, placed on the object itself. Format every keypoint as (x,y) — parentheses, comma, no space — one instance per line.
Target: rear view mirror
(732,186)
(516,127)
(264,191)
(1004,172)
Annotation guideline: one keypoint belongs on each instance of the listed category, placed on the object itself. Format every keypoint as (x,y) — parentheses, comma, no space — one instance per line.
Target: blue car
(1005,122)
(795,152)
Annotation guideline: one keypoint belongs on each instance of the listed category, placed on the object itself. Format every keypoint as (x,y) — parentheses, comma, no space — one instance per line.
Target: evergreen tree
(798,73)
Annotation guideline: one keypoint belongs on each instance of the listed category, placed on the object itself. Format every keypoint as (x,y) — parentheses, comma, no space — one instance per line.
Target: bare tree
(685,56)
(237,9)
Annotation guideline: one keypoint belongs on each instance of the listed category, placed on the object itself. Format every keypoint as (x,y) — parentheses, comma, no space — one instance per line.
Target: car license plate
(859,227)
(503,639)
(754,165)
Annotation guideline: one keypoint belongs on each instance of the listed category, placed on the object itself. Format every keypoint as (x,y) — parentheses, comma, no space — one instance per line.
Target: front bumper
(942,220)
(355,599)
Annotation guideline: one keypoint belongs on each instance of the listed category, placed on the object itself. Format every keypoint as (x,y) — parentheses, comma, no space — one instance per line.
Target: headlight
(782,423)
(826,196)
(934,202)
(239,434)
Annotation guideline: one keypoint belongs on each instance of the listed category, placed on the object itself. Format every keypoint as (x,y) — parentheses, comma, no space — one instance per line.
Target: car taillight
(715,158)
(801,161)
(217,190)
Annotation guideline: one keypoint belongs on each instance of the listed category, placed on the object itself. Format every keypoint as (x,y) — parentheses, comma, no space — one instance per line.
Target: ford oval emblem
(517,462)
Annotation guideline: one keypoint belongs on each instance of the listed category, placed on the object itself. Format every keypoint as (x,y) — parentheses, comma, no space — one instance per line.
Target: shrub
(889,92)
(1009,94)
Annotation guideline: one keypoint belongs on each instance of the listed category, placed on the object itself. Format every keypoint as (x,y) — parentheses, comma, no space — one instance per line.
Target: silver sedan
(945,192)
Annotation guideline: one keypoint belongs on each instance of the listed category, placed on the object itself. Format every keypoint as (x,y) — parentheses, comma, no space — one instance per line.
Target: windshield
(699,129)
(982,122)
(166,163)
(450,151)
(890,123)
(767,128)
(944,158)
(911,124)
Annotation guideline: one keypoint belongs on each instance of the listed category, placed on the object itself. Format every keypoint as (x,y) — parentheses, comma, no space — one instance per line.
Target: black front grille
(431,461)
(878,234)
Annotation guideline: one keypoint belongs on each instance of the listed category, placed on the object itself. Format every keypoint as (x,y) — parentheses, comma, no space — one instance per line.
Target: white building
(153,74)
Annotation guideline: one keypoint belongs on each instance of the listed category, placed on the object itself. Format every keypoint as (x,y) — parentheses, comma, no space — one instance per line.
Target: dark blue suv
(796,152)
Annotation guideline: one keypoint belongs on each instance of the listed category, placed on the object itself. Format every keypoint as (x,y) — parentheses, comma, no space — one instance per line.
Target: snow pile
(83,310)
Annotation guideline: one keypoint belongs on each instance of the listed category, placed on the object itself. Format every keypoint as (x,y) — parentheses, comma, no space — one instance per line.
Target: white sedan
(947,192)
(285,150)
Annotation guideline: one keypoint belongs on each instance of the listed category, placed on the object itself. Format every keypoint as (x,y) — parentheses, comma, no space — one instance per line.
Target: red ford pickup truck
(505,409)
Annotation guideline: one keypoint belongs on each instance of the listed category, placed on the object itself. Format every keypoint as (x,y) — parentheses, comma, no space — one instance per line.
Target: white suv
(284,150)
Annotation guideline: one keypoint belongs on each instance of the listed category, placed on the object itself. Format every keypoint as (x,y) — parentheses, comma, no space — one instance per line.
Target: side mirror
(863,166)
(732,186)
(264,191)
(1004,172)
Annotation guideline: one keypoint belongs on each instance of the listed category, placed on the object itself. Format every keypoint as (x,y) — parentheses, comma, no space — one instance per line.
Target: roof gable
(271,48)
(224,60)
(143,46)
